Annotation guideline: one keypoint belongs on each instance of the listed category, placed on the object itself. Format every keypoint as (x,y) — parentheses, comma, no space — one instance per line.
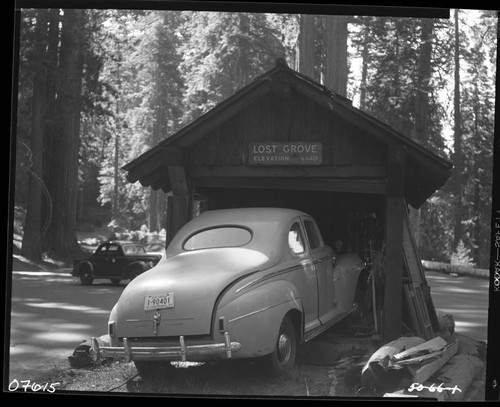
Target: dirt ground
(319,373)
(229,378)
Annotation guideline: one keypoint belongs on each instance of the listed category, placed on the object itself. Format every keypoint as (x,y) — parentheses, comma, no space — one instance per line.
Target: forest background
(96,88)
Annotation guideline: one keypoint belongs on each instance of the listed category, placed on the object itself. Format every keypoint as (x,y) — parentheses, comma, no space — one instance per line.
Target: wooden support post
(395,207)
(180,204)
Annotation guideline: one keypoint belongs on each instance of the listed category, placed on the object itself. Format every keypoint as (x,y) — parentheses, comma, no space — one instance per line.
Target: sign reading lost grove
(285,153)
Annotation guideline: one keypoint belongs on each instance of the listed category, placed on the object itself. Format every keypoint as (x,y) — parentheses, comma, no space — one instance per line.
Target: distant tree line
(99,87)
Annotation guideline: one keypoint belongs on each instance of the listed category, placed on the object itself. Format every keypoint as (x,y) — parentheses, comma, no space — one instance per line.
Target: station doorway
(357,220)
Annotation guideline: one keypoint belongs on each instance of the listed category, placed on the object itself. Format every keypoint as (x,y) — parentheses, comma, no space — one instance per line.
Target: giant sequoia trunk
(422,105)
(61,236)
(336,69)
(31,247)
(50,121)
(457,144)
(422,124)
(305,46)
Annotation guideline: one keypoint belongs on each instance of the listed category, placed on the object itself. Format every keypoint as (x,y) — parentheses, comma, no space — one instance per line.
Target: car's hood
(194,280)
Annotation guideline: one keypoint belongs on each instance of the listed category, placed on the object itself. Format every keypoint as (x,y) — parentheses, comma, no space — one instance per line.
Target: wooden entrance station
(285,140)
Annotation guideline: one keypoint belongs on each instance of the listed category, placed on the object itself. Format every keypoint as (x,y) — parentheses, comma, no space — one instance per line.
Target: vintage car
(115,260)
(235,283)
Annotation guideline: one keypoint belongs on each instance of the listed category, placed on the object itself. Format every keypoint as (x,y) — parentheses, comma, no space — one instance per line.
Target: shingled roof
(151,167)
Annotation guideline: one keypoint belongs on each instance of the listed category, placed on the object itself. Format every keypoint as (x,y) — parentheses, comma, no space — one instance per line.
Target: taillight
(111,328)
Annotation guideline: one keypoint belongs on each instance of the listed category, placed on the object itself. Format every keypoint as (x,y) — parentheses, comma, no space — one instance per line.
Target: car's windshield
(227,236)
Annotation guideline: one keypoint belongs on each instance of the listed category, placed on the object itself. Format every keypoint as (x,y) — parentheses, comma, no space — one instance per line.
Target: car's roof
(250,214)
(121,242)
(268,223)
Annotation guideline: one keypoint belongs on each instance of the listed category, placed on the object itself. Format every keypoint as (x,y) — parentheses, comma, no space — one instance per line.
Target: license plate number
(159,301)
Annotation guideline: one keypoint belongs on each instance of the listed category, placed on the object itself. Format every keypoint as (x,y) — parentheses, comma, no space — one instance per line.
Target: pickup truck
(115,260)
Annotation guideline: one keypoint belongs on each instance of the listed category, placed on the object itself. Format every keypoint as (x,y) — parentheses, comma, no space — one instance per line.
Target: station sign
(285,153)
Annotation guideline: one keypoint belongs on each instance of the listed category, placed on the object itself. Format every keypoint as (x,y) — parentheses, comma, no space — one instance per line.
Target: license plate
(159,301)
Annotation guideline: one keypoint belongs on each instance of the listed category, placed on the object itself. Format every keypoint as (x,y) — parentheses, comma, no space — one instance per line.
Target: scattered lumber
(377,376)
(417,360)
(457,379)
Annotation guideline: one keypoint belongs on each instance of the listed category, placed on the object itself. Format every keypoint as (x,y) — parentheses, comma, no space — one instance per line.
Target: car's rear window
(227,236)
(131,249)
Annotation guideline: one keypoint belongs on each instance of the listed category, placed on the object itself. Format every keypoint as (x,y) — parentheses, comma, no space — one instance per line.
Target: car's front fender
(254,317)
(78,267)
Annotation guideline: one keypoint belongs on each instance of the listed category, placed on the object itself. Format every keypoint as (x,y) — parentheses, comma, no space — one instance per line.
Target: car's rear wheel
(116,281)
(86,277)
(283,356)
(135,272)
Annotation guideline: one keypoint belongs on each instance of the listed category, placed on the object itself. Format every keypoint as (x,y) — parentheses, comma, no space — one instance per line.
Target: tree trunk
(31,246)
(335,40)
(423,83)
(305,47)
(62,231)
(422,109)
(364,70)
(50,131)
(457,143)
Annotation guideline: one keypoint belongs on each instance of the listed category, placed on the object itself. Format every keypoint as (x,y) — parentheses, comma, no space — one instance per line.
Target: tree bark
(306,46)
(457,143)
(423,83)
(31,245)
(364,69)
(335,40)
(62,232)
(50,130)
(422,108)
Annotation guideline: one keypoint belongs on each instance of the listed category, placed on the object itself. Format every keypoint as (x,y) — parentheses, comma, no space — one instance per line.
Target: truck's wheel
(86,277)
(283,356)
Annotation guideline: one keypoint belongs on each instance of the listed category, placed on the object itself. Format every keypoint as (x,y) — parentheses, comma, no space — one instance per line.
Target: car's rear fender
(134,267)
(254,318)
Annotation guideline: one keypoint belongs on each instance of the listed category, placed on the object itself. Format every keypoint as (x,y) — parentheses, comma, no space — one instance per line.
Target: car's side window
(101,251)
(114,250)
(313,235)
(295,239)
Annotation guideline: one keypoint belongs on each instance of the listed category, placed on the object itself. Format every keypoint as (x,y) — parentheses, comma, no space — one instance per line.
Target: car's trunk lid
(193,281)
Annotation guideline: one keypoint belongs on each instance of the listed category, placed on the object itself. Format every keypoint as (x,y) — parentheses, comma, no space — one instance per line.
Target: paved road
(52,313)
(465,298)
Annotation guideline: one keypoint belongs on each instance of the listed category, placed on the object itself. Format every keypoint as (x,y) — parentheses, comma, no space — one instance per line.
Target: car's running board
(316,331)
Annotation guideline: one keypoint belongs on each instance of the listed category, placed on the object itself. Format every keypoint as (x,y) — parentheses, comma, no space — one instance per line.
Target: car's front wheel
(283,356)
(86,277)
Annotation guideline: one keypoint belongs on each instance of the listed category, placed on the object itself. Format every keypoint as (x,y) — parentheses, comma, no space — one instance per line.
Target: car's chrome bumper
(183,352)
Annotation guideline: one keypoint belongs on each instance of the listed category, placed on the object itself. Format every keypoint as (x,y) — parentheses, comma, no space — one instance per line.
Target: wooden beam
(304,184)
(395,207)
(366,172)
(182,199)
